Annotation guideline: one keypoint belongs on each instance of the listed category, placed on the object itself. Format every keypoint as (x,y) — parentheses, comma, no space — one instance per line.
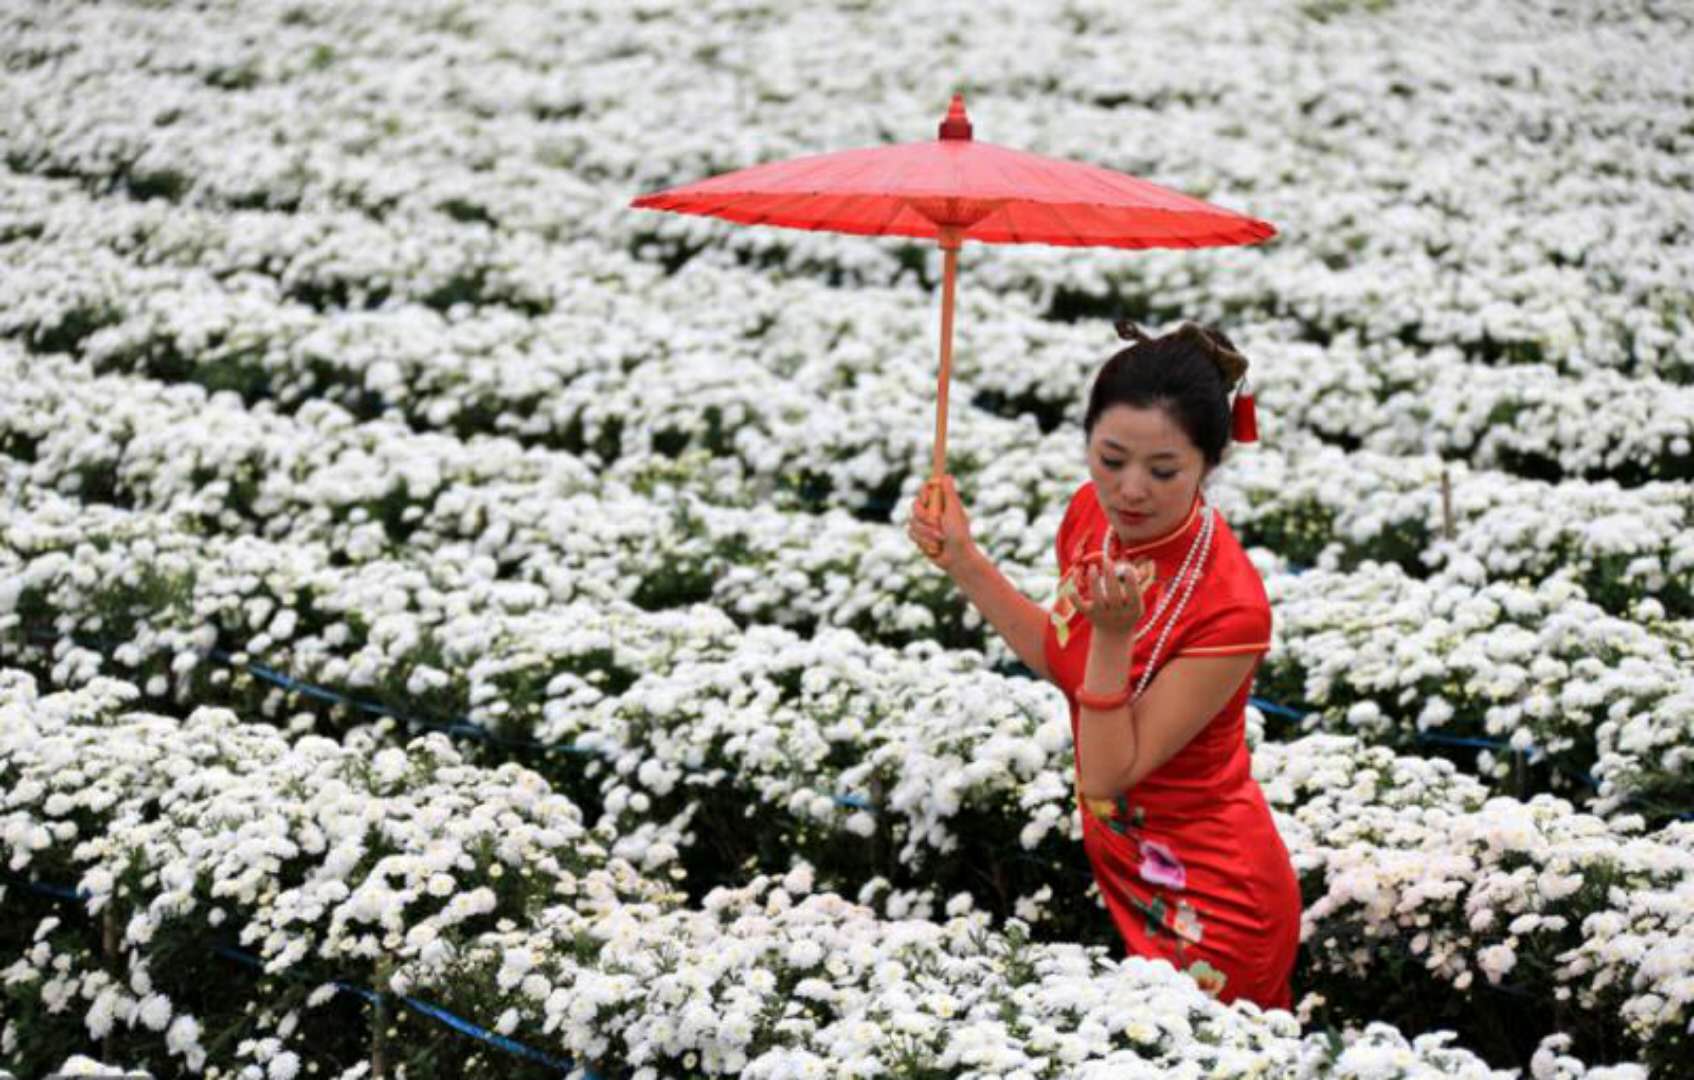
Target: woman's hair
(1188,372)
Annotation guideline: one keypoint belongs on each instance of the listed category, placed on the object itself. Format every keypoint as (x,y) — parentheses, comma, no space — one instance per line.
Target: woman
(1156,657)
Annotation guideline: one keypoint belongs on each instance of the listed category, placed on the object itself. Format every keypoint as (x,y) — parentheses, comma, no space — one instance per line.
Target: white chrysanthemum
(284,1066)
(155,1011)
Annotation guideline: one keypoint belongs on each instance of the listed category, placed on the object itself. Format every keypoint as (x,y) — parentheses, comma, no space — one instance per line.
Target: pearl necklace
(1201,546)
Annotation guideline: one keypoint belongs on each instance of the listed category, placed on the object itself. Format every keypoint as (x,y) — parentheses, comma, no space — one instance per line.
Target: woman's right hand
(938,525)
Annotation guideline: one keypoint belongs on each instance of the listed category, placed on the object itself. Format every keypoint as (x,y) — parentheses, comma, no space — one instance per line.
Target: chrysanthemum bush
(402,241)
(1427,897)
(663,690)
(1388,398)
(1539,669)
(324,860)
(861,997)
(1536,666)
(285,473)
(478,888)
(1553,257)
(746,736)
(208,320)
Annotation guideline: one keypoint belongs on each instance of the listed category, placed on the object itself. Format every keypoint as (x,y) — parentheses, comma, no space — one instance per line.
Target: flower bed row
(1371,648)
(424,874)
(705,728)
(226,299)
(315,470)
(509,145)
(1429,901)
(398,866)
(1537,666)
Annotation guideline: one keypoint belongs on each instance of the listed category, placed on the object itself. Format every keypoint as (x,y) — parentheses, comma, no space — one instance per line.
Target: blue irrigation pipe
(1534,752)
(470,729)
(465,728)
(460,727)
(1274,709)
(57,892)
(1467,740)
(457,1023)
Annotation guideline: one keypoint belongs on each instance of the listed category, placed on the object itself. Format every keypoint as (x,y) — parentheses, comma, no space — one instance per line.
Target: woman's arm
(1020,620)
(1117,748)
(942,531)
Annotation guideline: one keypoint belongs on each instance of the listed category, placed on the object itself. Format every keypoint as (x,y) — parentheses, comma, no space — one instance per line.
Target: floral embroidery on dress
(1114,813)
(1155,912)
(1064,608)
(1181,923)
(1068,596)
(1160,866)
(1211,980)
(1187,923)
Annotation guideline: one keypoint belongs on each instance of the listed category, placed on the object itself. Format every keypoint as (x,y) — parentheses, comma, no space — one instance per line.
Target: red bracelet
(1104,702)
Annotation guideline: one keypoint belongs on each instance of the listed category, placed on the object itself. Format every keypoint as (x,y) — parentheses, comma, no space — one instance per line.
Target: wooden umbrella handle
(950,272)
(932,498)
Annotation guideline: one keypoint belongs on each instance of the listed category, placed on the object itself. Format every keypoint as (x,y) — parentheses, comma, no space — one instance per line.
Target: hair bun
(1231,364)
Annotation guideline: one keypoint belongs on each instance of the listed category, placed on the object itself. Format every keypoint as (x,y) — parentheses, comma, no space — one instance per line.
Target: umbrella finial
(957,125)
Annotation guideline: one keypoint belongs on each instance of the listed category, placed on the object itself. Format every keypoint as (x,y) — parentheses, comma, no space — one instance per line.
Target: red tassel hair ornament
(1244,419)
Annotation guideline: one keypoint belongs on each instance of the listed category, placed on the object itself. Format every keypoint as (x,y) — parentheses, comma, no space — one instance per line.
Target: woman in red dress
(1158,627)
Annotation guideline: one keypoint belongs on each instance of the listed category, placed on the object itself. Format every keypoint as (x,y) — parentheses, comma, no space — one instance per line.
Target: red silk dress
(1189,861)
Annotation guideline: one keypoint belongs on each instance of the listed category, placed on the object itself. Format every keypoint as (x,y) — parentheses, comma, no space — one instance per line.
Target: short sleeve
(1068,527)
(1228,631)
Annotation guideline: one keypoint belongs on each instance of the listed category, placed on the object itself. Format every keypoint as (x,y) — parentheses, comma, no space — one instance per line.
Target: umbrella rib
(819,220)
(898,201)
(1005,208)
(897,206)
(1052,212)
(1011,227)
(726,202)
(1063,224)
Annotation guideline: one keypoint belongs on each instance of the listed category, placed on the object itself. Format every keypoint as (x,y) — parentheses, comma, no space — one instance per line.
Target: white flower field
(453,624)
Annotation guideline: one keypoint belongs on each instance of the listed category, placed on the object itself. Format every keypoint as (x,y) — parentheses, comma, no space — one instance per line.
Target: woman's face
(1145,469)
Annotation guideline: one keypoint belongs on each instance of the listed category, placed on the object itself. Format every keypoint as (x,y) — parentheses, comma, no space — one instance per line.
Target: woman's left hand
(1111,603)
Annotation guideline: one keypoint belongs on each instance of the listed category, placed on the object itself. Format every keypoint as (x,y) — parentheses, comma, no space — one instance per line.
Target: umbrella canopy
(988,193)
(952,189)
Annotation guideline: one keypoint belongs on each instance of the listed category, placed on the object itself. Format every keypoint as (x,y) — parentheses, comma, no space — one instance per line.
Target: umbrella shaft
(950,263)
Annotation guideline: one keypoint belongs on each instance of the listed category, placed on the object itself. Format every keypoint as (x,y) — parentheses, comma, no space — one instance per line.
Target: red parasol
(953,189)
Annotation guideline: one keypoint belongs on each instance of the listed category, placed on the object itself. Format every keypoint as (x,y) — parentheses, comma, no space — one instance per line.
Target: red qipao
(1189,861)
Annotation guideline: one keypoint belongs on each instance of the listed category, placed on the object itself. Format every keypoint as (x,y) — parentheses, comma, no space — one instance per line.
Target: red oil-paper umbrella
(952,189)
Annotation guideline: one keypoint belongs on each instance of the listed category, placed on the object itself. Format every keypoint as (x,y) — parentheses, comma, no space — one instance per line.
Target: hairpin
(1129,331)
